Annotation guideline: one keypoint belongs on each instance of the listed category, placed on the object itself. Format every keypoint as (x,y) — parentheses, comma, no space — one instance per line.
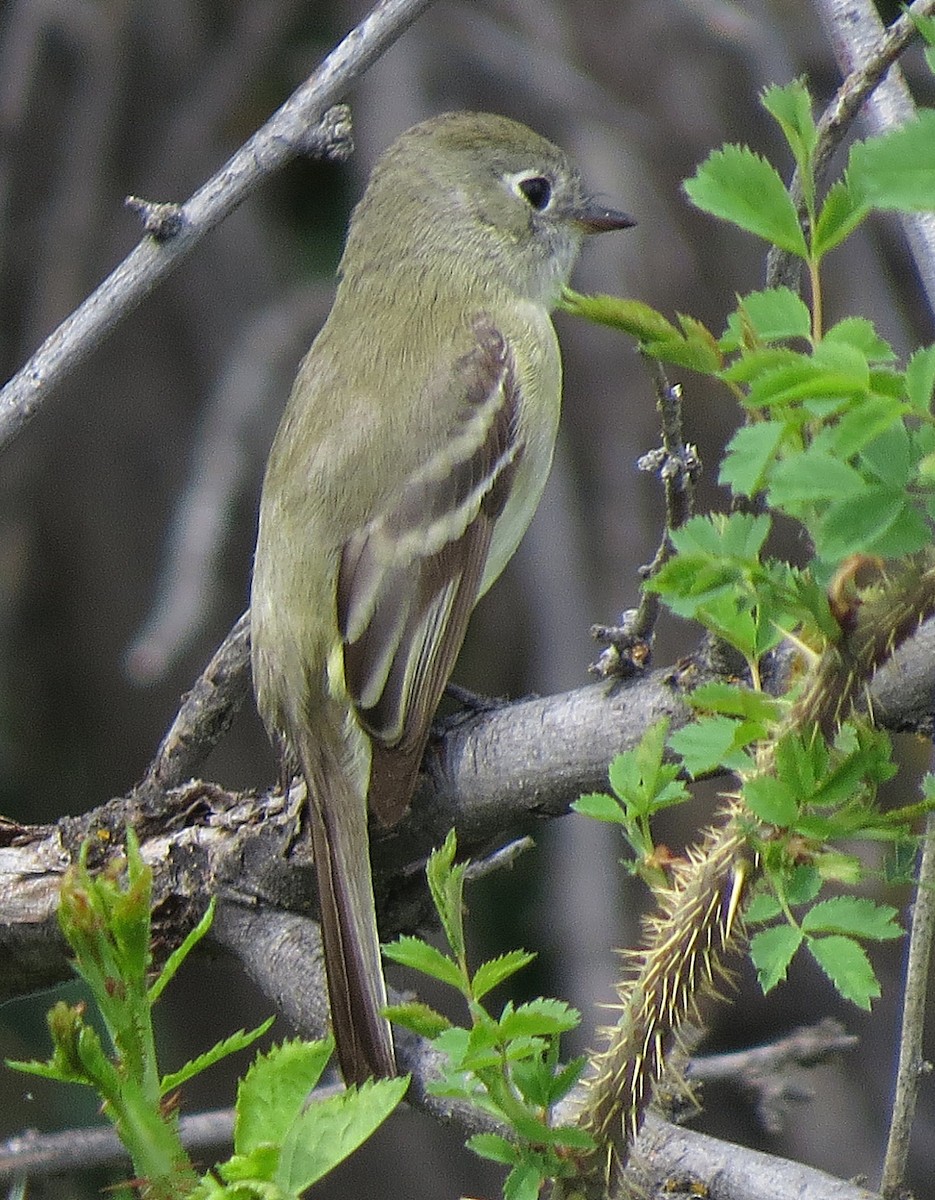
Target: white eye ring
(536,189)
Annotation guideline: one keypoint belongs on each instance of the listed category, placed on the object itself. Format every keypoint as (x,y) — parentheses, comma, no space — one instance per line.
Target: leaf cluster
(506,1065)
(281,1143)
(837,440)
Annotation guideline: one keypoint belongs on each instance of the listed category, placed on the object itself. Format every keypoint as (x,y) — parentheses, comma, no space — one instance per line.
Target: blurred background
(127,508)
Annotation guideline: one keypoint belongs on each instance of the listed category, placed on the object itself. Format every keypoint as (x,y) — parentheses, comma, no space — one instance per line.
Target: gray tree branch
(300,126)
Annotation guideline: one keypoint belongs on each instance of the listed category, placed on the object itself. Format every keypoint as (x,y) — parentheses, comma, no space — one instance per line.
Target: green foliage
(642,784)
(508,1065)
(837,439)
(282,1144)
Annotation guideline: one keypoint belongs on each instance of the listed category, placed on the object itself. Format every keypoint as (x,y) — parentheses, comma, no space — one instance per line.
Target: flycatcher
(410,459)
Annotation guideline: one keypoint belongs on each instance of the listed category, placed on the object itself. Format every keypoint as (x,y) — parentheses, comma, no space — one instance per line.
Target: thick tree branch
(300,126)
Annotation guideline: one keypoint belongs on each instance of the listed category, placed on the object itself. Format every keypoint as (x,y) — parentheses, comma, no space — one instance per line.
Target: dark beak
(594,218)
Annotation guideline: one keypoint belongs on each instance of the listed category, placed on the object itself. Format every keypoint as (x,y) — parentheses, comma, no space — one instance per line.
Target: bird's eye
(537,190)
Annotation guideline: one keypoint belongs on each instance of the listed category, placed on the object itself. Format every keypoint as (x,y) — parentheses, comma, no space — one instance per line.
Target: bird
(410,458)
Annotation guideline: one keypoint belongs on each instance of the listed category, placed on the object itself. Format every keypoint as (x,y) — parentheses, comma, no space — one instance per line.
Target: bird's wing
(409,579)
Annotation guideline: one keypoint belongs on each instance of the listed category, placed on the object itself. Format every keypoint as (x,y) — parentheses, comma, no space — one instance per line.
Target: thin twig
(769,1072)
(294,129)
(858,39)
(911,1063)
(206,712)
(865,52)
(629,644)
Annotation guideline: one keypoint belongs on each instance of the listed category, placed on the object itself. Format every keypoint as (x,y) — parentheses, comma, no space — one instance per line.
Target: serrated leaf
(739,186)
(493,972)
(446,885)
(524,1182)
(897,169)
(420,1018)
(494,1147)
(702,352)
(813,476)
(803,884)
(878,521)
(770,315)
(763,907)
(230,1045)
(861,334)
(890,456)
(695,354)
(846,964)
(772,800)
(791,106)
(920,379)
(750,454)
(600,807)
(328,1131)
(840,215)
(771,951)
(738,535)
(630,316)
(273,1091)
(421,956)
(735,700)
(537,1018)
(254,1170)
(706,744)
(180,953)
(857,916)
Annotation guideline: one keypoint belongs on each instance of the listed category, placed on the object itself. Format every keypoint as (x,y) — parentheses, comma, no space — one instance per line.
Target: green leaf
(180,953)
(920,379)
(740,186)
(772,800)
(897,170)
(846,964)
(642,779)
(493,972)
(524,1182)
(706,744)
(414,952)
(446,884)
(803,884)
(229,1045)
(749,456)
(770,315)
(631,316)
(738,535)
(771,951)
(493,1147)
(763,907)
(735,700)
(537,1018)
(274,1091)
(419,1017)
(813,476)
(701,351)
(854,915)
(862,422)
(328,1131)
(890,456)
(791,106)
(840,215)
(600,807)
(860,333)
(254,1171)
(878,521)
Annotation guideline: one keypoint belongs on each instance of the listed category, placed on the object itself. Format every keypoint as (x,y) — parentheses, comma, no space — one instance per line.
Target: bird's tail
(356,988)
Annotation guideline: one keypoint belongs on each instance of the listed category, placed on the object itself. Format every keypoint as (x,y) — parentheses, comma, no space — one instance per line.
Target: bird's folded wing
(408,580)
